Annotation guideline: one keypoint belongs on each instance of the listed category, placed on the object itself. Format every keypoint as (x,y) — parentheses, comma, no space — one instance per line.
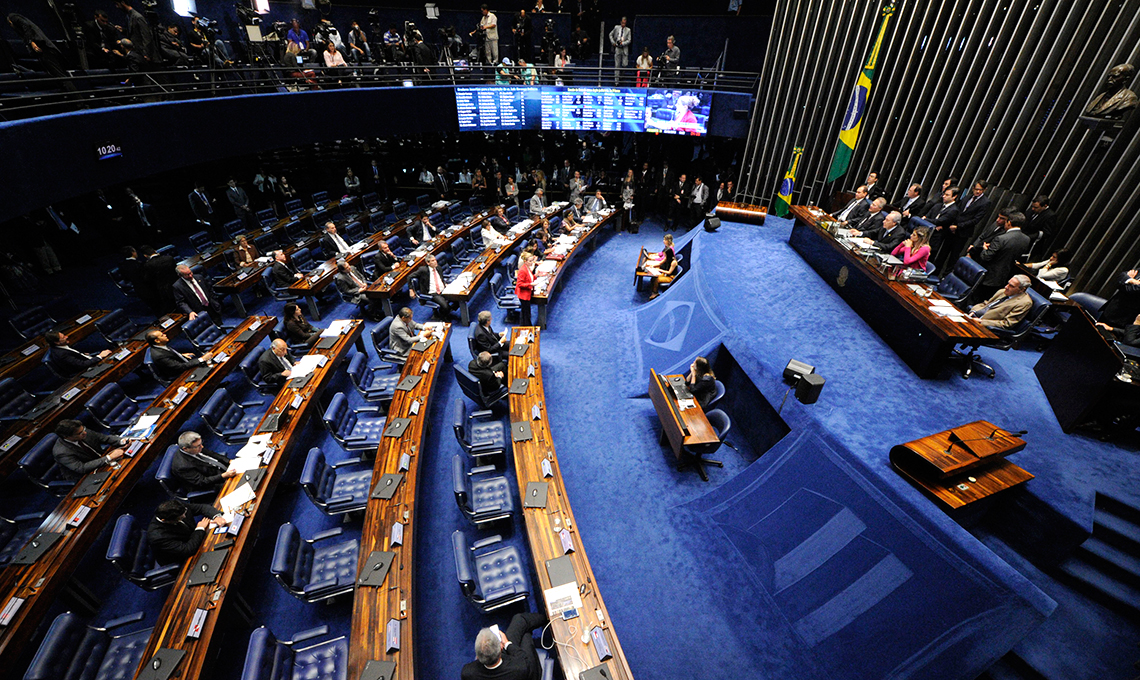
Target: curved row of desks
(550,274)
(21,360)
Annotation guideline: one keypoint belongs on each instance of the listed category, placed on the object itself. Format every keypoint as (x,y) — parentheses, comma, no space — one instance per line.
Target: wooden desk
(481,268)
(741,212)
(374,607)
(544,541)
(963,465)
(21,436)
(20,361)
(681,428)
(382,291)
(544,293)
(240,281)
(175,617)
(40,583)
(902,319)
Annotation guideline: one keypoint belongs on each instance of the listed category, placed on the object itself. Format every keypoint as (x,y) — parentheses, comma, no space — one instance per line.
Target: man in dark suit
(159,276)
(999,255)
(79,451)
(431,284)
(384,260)
(239,200)
(174,536)
(276,363)
(66,360)
(198,468)
(855,210)
(350,282)
(973,208)
(442,183)
(194,297)
(942,215)
(507,655)
(487,340)
(421,231)
(283,273)
(874,188)
(131,270)
(169,364)
(680,197)
(889,234)
(202,205)
(1124,303)
(665,182)
(1041,224)
(332,243)
(912,203)
(871,221)
(988,234)
(491,375)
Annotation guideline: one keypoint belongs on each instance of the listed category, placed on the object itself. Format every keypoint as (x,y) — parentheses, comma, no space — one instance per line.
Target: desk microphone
(993,435)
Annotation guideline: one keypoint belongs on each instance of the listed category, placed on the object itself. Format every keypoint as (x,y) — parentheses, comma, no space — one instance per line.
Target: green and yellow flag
(784,198)
(853,118)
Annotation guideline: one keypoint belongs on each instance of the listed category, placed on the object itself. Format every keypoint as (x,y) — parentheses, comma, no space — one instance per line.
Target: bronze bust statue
(1115,100)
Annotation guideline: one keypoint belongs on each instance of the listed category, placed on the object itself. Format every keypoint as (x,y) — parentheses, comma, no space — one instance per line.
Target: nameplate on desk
(397,536)
(378,670)
(35,548)
(83,319)
(519,385)
(327,343)
(91,484)
(245,335)
(425,367)
(30,350)
(535,412)
(180,396)
(535,495)
(521,432)
(396,427)
(253,477)
(414,408)
(255,325)
(196,623)
(530,370)
(389,280)
(198,374)
(405,462)
(519,349)
(10,442)
(134,447)
(10,609)
(376,568)
(121,354)
(272,422)
(78,516)
(409,382)
(298,383)
(601,643)
(392,636)
(162,665)
(242,276)
(423,344)
(166,323)
(207,567)
(599,672)
(386,487)
(70,394)
(567,542)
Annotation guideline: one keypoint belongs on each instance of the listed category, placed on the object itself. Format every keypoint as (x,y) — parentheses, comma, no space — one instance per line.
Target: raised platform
(745,213)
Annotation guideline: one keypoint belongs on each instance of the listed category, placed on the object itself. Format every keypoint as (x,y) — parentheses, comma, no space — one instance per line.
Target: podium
(962,466)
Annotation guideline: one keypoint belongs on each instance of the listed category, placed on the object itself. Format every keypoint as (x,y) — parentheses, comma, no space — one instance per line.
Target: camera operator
(669,62)
(488,29)
(452,43)
(324,33)
(141,35)
(550,43)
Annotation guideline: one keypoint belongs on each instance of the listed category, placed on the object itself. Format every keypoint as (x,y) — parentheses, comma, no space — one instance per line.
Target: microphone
(992,436)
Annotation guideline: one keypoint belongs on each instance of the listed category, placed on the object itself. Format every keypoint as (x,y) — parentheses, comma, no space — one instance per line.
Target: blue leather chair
(265,243)
(423,202)
(474,389)
(489,579)
(295,232)
(112,409)
(15,401)
(336,488)
(278,293)
(40,467)
(696,453)
(249,369)
(718,395)
(371,201)
(377,220)
(475,203)
(1089,302)
(172,485)
(148,362)
(75,650)
(447,265)
(201,241)
(471,339)
(482,498)
(234,228)
(14,533)
(117,327)
(266,217)
(294,207)
(480,433)
(424,300)
(121,282)
(1007,337)
(353,231)
(129,550)
(379,334)
(312,572)
(320,198)
(31,322)
(961,281)
(510,266)
(202,333)
(400,209)
(229,419)
(169,250)
(354,429)
(268,658)
(456,213)
(512,213)
(302,260)
(504,299)
(374,384)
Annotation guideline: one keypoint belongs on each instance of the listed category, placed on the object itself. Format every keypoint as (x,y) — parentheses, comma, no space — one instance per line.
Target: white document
(547,266)
(336,328)
(237,498)
(561,598)
(305,366)
(685,404)
(141,426)
(245,464)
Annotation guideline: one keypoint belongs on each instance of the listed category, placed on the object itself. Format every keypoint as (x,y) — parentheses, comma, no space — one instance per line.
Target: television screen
(606,109)
(678,112)
(496,107)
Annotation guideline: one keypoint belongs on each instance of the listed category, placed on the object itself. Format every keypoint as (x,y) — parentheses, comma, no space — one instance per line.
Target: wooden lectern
(963,465)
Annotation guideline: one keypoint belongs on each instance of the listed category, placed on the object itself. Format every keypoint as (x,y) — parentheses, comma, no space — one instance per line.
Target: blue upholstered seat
(317,568)
(201,241)
(479,433)
(202,332)
(231,421)
(294,207)
(379,334)
(374,384)
(1007,337)
(353,231)
(40,467)
(31,322)
(482,497)
(320,198)
(112,408)
(234,228)
(302,259)
(337,488)
(371,201)
(174,486)
(512,213)
(354,429)
(1089,302)
(14,533)
(116,327)
(268,658)
(15,401)
(962,280)
(74,650)
(471,387)
(697,453)
(252,373)
(129,550)
(490,579)
(121,281)
(505,298)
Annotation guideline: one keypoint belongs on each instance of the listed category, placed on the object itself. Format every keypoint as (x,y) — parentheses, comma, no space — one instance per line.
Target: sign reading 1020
(107,150)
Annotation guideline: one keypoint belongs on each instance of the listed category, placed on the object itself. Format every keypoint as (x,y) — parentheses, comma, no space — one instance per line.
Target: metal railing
(31,97)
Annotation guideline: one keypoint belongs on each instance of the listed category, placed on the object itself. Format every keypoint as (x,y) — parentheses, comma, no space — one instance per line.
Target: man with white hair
(888,235)
(1007,307)
(198,468)
(538,203)
(194,297)
(276,364)
(507,655)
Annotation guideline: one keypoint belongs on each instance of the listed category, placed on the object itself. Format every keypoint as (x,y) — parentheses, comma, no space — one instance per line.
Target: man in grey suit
(78,451)
(620,38)
(404,332)
(538,203)
(1007,307)
(351,284)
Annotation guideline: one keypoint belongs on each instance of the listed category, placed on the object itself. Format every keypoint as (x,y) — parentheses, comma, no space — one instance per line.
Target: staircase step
(1117,507)
(1118,531)
(1113,561)
(1011,667)
(1098,581)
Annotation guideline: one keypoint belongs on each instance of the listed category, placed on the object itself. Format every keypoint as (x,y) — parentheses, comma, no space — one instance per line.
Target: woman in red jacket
(524,285)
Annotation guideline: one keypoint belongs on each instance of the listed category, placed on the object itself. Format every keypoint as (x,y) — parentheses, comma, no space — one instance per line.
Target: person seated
(245,254)
(383,260)
(283,273)
(275,365)
(297,329)
(701,381)
(174,536)
(332,243)
(491,375)
(1124,303)
(598,203)
(575,217)
(422,231)
(661,266)
(333,56)
(350,283)
(1056,268)
(915,250)
(66,360)
(872,220)
(79,451)
(431,284)
(169,364)
(855,210)
(1128,335)
(1007,307)
(487,340)
(404,332)
(198,468)
(508,655)
(537,205)
(540,238)
(888,235)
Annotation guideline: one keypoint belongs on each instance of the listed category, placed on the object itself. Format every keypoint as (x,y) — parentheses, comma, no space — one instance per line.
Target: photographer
(488,28)
(550,43)
(524,36)
(394,45)
(359,51)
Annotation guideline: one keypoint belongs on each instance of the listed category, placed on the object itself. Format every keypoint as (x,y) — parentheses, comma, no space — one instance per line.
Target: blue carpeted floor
(665,595)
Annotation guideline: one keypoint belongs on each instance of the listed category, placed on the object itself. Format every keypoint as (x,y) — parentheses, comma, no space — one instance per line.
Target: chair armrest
(257,402)
(61,485)
(481,469)
(170,570)
(124,620)
(347,461)
(327,533)
(368,409)
(30,515)
(229,433)
(196,496)
(308,634)
(355,438)
(483,543)
(320,585)
(338,502)
(485,413)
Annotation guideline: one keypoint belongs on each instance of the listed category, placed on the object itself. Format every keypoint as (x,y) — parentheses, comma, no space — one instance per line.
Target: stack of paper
(306,365)
(237,498)
(255,446)
(142,428)
(546,266)
(336,328)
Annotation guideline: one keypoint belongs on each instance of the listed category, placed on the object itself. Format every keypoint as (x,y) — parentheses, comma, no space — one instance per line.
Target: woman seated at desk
(701,381)
(661,266)
(245,254)
(1055,269)
(915,251)
(297,329)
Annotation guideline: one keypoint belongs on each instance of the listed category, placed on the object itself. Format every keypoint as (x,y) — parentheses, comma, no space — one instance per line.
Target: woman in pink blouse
(915,251)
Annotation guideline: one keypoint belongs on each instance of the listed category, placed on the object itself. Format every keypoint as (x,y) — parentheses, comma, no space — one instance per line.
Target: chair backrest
(455,212)
(249,368)
(380,334)
(201,240)
(353,231)
(719,394)
(110,404)
(220,410)
(510,263)
(289,558)
(371,200)
(234,227)
(116,326)
(469,385)
(962,280)
(317,477)
(1089,302)
(423,202)
(459,422)
(339,418)
(266,215)
(123,549)
(294,206)
(265,655)
(400,208)
(302,259)
(64,640)
(116,275)
(14,399)
(471,339)
(295,231)
(320,198)
(497,284)
(464,568)
(720,422)
(512,213)
(555,225)
(266,242)
(1040,306)
(38,462)
(475,203)
(929,269)
(34,321)
(459,482)
(358,369)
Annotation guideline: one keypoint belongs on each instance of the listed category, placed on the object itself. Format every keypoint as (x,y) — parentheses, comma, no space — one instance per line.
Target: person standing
(51,59)
(194,297)
(524,35)
(524,286)
(489,27)
(141,35)
(620,38)
(351,183)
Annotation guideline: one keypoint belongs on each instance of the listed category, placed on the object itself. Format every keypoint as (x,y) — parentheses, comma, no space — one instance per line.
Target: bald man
(276,364)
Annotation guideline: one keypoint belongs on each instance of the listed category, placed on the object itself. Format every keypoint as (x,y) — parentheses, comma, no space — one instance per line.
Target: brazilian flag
(853,118)
(784,198)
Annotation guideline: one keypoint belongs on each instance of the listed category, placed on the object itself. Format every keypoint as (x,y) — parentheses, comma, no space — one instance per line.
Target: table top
(560,265)
(480,269)
(374,607)
(545,543)
(399,276)
(21,360)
